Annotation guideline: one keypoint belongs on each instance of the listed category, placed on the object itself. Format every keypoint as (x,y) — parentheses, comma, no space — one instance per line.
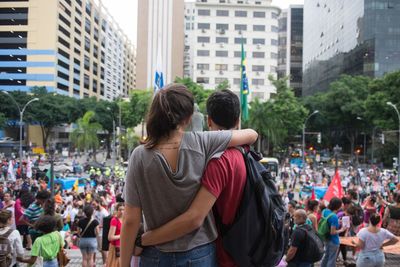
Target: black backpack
(257,237)
(314,246)
(358,217)
(105,244)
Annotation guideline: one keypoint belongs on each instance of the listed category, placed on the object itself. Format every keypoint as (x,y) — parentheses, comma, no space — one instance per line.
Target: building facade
(160,41)
(358,37)
(72,47)
(218,30)
(290,55)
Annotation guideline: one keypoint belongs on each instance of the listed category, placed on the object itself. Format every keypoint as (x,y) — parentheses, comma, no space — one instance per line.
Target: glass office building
(358,37)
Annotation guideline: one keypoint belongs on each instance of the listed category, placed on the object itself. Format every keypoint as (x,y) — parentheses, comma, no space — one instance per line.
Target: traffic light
(395,162)
(311,148)
(382,137)
(319,138)
(358,151)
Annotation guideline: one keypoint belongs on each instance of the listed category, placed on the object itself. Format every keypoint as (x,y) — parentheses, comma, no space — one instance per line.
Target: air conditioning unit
(221,72)
(202,71)
(240,32)
(203,44)
(222,31)
(221,45)
(258,73)
(203,30)
(258,46)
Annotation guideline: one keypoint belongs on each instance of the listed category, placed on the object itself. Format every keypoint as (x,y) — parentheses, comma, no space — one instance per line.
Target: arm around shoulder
(243,137)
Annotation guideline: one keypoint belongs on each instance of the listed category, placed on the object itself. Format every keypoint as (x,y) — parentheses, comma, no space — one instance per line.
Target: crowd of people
(163,210)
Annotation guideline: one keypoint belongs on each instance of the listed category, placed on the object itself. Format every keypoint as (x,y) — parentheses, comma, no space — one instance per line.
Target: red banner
(335,188)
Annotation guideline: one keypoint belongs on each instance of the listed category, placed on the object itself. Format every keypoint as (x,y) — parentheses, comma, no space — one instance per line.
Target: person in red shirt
(114,236)
(222,183)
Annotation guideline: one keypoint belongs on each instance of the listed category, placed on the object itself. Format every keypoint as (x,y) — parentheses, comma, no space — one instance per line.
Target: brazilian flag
(244,87)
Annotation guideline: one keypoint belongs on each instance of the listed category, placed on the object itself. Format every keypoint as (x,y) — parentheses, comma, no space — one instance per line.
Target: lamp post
(51,153)
(21,115)
(398,158)
(336,150)
(365,140)
(304,137)
(113,144)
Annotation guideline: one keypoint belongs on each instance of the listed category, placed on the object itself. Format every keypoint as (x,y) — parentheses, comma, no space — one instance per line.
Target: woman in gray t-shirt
(164,176)
(371,241)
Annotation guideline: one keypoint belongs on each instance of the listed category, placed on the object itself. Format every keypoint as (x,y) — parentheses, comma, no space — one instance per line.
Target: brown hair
(171,106)
(5,215)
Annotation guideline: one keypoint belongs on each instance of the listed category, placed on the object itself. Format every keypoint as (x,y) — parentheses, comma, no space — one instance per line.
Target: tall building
(160,41)
(190,13)
(358,37)
(73,47)
(219,28)
(290,55)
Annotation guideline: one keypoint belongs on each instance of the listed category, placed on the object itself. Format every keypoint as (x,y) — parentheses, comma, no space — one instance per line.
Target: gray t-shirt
(373,241)
(163,195)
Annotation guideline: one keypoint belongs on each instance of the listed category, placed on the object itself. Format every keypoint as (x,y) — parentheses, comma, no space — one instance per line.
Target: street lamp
(113,146)
(365,140)
(51,154)
(398,158)
(304,136)
(21,114)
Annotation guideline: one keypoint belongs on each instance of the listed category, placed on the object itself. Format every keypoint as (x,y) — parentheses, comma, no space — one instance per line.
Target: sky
(125,13)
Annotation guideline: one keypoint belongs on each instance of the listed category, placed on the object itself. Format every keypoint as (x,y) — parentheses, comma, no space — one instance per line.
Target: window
(219,40)
(62,75)
(258,55)
(257,68)
(220,80)
(274,55)
(202,80)
(62,87)
(274,68)
(221,67)
(260,41)
(257,81)
(86,81)
(222,13)
(237,67)
(274,15)
(274,42)
(86,63)
(63,30)
(236,81)
(240,27)
(220,53)
(87,44)
(259,14)
(202,39)
(203,26)
(240,13)
(259,28)
(203,53)
(87,25)
(203,12)
(274,28)
(237,54)
(222,26)
(63,19)
(239,40)
(203,66)
(62,41)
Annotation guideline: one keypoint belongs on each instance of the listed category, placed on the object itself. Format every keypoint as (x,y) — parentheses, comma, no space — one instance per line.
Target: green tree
(134,112)
(222,86)
(2,120)
(84,137)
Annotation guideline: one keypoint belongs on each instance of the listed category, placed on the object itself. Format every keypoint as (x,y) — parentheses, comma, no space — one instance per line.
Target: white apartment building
(219,27)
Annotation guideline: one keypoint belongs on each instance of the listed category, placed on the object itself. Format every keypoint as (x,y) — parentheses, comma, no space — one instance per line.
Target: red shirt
(225,178)
(117,223)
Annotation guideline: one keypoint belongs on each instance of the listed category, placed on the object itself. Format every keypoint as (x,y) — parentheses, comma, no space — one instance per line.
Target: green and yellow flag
(244,87)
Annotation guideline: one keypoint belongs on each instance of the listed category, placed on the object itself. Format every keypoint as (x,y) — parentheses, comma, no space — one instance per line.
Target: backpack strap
(8,233)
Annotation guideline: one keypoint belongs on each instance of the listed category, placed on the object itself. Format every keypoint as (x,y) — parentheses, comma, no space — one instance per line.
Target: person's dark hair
(118,205)
(373,199)
(353,194)
(26,198)
(88,210)
(171,106)
(335,204)
(346,201)
(46,224)
(42,195)
(5,215)
(119,199)
(49,207)
(374,219)
(223,107)
(293,203)
(312,204)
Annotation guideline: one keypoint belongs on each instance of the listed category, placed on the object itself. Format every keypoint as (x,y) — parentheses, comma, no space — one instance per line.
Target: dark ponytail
(171,106)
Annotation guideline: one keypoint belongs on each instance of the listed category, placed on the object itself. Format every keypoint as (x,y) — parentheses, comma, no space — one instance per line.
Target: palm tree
(84,137)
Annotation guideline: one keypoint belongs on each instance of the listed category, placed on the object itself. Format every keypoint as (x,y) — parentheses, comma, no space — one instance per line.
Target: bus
(272,165)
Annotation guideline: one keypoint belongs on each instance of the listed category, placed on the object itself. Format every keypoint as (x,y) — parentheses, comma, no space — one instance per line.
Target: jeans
(202,256)
(329,259)
(52,263)
(88,244)
(374,258)
(299,264)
